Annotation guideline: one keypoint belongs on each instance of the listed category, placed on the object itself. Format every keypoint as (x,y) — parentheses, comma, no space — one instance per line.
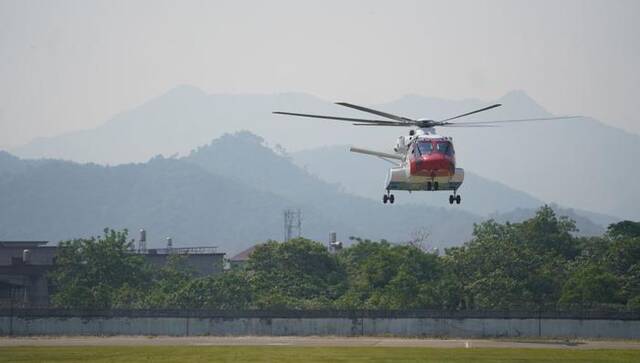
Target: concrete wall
(218,326)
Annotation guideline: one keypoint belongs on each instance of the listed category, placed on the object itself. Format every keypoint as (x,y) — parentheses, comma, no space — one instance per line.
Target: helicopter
(423,160)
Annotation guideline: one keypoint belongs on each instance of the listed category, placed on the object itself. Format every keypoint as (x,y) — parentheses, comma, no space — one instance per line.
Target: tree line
(536,264)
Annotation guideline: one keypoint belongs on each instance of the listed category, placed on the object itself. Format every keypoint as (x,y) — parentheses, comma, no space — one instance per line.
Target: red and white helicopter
(424,160)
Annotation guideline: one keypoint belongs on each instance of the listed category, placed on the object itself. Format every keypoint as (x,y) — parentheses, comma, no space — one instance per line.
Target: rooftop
(22,244)
(182,250)
(244,255)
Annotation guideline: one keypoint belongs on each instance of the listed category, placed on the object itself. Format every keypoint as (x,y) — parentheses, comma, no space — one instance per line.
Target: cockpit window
(425,148)
(444,147)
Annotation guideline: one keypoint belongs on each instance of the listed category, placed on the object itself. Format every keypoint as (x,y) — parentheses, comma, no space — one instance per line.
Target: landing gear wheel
(391,198)
(428,185)
(435,186)
(451,198)
(458,199)
(385,199)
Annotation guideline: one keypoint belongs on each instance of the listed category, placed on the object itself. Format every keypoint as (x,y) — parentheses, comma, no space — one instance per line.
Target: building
(24,266)
(204,261)
(240,260)
(23,272)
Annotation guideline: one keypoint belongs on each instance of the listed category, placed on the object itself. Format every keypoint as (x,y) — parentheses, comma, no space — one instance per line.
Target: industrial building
(204,261)
(23,271)
(24,266)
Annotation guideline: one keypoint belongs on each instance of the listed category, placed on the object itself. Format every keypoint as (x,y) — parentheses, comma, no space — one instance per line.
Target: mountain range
(578,163)
(229,193)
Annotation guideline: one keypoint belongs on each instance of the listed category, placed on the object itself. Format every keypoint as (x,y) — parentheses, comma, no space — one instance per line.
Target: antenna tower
(292,224)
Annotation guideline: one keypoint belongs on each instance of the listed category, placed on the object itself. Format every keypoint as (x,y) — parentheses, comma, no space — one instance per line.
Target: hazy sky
(68,65)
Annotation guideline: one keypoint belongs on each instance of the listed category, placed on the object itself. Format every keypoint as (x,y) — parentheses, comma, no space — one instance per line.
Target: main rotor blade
(334,117)
(375,112)
(396,124)
(471,113)
(465,125)
(515,120)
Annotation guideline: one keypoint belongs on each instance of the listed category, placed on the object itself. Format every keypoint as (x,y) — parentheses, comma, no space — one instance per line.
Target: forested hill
(244,158)
(55,200)
(230,193)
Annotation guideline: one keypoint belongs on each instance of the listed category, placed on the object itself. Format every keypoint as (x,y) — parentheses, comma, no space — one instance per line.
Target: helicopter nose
(434,165)
(437,163)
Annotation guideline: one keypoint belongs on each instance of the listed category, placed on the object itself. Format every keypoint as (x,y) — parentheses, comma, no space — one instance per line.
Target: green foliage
(294,274)
(386,276)
(169,281)
(634,303)
(591,284)
(98,273)
(229,291)
(547,233)
(624,229)
(623,259)
(536,264)
(514,265)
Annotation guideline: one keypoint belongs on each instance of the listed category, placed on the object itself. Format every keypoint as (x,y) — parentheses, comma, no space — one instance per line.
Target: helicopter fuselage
(429,164)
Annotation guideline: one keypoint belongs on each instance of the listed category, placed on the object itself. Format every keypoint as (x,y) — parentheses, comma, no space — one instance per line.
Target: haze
(70,65)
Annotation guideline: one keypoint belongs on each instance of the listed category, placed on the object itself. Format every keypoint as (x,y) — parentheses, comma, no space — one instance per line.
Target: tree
(168,282)
(386,276)
(294,274)
(513,265)
(98,273)
(535,264)
(591,284)
(623,260)
(624,229)
(546,232)
(227,291)
(607,270)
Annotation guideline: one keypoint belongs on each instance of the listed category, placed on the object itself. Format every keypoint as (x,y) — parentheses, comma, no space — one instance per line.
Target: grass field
(307,354)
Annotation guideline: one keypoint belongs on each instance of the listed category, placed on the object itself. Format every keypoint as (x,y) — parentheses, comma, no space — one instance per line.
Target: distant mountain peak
(231,141)
(243,136)
(181,94)
(521,101)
